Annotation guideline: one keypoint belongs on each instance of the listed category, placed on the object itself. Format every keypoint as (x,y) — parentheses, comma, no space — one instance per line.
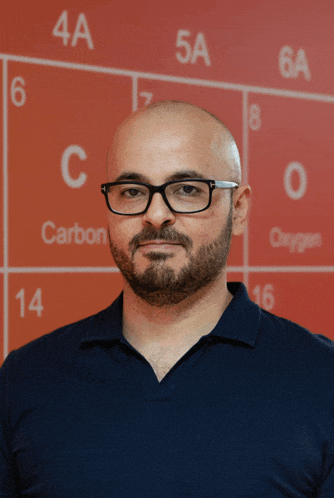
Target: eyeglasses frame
(212,184)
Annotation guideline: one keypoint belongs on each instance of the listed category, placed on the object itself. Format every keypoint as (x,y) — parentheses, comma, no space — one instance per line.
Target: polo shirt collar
(240,321)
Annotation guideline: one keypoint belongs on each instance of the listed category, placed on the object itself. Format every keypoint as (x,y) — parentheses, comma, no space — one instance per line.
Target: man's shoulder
(272,332)
(289,334)
(60,342)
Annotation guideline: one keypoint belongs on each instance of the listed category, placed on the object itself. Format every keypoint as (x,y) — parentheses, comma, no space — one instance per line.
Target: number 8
(255,117)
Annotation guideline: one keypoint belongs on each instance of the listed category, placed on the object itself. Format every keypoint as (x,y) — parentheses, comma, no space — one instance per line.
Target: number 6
(16,90)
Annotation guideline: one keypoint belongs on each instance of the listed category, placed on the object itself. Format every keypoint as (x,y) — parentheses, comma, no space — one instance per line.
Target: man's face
(165,256)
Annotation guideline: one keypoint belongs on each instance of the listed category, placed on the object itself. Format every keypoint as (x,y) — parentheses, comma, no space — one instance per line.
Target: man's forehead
(165,128)
(154,162)
(176,175)
(166,132)
(189,119)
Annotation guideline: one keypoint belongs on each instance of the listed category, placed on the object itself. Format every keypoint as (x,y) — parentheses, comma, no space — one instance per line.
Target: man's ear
(241,207)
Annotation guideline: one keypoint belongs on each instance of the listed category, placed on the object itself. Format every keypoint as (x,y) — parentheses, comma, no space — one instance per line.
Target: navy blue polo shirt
(248,411)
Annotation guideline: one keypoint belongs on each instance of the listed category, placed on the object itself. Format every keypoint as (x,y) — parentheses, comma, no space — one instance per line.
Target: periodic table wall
(72,70)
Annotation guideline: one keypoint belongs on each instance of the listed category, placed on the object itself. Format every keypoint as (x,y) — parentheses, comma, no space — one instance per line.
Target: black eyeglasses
(186,196)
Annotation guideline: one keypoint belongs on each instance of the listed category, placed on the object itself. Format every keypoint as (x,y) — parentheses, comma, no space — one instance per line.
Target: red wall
(71,71)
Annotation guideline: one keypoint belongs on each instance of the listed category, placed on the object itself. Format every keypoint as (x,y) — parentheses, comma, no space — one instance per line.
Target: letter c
(68,179)
(44,226)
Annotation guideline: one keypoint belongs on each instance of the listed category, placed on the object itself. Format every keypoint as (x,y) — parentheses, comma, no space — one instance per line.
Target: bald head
(176,118)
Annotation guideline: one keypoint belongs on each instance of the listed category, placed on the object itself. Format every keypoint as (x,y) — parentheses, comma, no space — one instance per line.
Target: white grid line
(114,269)
(294,269)
(173,79)
(5,209)
(63,269)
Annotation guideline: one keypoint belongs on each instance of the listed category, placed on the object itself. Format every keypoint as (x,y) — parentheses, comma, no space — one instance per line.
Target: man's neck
(175,327)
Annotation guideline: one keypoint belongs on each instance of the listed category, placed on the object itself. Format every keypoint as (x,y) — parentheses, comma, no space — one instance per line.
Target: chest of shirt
(220,434)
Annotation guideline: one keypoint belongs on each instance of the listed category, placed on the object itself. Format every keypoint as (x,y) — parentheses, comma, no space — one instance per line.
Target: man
(183,387)
(174,263)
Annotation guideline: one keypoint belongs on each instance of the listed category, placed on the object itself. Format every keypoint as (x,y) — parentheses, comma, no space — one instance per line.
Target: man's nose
(158,213)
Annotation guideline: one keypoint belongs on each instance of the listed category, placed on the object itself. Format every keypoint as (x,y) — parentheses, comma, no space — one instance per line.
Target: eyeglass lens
(185,197)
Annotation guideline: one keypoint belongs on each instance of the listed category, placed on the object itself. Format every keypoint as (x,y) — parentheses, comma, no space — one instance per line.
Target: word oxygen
(51,234)
(296,242)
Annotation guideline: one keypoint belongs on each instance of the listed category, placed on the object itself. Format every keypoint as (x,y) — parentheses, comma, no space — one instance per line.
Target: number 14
(34,305)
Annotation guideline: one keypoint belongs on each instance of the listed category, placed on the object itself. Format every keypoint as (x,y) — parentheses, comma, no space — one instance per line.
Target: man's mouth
(158,243)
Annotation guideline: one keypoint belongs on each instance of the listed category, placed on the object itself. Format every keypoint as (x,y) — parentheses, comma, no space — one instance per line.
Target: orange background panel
(82,106)
(65,298)
(62,108)
(305,298)
(234,276)
(292,130)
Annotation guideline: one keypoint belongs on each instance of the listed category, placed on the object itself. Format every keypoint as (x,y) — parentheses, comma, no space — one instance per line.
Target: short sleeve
(8,485)
(326,489)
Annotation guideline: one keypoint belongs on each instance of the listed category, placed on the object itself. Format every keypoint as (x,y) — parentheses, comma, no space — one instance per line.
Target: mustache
(167,233)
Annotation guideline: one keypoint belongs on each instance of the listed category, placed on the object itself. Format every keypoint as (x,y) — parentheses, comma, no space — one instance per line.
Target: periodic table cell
(226,105)
(40,303)
(58,142)
(304,298)
(291,174)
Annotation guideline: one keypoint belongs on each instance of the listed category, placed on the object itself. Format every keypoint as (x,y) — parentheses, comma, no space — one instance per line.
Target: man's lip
(158,242)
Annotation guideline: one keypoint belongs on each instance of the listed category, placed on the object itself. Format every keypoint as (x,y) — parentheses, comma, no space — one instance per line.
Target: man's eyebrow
(129,175)
(178,175)
(187,173)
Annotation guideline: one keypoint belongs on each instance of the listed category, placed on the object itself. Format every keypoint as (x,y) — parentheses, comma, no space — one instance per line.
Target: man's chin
(152,259)
(155,273)
(155,284)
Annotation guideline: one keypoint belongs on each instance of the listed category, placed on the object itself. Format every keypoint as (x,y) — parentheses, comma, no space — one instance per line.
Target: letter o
(68,179)
(275,241)
(90,236)
(295,194)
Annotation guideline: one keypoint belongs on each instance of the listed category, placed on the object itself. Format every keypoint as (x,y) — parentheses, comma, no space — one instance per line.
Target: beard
(160,285)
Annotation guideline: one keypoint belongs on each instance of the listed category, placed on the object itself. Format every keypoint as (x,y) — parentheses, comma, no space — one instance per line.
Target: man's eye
(132,192)
(187,190)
